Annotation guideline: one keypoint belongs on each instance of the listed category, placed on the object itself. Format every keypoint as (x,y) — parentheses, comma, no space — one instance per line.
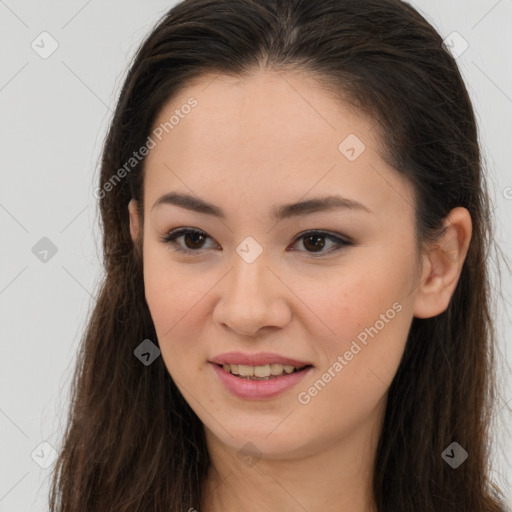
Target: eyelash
(171,237)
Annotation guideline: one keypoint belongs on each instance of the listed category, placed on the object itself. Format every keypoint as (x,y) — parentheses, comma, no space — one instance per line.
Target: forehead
(280,111)
(271,133)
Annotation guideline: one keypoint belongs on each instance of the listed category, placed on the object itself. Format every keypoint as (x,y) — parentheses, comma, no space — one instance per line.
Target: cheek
(170,294)
(359,364)
(369,314)
(355,297)
(178,299)
(172,298)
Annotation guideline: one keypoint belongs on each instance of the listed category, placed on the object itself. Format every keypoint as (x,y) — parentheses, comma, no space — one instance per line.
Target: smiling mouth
(264,372)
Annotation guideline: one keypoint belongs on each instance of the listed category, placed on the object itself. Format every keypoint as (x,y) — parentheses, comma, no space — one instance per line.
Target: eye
(313,241)
(193,239)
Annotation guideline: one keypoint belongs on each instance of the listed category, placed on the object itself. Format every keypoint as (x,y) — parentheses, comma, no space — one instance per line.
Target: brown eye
(193,239)
(315,241)
(196,240)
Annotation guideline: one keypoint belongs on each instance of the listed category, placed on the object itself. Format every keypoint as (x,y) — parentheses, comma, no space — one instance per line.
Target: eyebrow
(286,211)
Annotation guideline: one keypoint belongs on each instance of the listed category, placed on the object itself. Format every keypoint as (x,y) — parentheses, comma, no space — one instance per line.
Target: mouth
(260,382)
(261,372)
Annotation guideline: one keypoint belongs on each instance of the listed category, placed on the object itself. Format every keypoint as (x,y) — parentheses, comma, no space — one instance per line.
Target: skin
(250,144)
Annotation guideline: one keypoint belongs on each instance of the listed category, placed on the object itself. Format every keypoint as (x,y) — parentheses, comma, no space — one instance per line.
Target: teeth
(262,371)
(259,372)
(245,371)
(276,369)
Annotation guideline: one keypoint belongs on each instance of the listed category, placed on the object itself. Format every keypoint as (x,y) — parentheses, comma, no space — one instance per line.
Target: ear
(442,265)
(134,219)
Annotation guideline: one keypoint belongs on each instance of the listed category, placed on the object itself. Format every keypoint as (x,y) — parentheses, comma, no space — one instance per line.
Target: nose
(253,299)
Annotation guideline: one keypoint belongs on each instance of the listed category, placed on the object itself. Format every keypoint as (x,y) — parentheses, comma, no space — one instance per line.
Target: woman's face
(260,282)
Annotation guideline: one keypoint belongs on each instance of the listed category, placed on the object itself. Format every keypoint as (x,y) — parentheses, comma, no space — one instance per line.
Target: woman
(233,361)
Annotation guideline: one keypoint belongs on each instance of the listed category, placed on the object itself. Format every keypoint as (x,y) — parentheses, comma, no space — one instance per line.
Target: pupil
(195,237)
(317,239)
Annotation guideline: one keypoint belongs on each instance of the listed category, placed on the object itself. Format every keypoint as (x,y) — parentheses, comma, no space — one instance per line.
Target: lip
(258,389)
(259,359)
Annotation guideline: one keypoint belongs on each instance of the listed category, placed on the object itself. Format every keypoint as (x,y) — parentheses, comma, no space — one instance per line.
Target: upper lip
(260,359)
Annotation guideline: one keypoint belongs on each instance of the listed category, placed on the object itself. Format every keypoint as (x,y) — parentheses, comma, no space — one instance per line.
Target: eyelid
(339,240)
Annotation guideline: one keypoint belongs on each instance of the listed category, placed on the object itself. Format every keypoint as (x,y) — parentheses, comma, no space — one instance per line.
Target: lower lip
(258,389)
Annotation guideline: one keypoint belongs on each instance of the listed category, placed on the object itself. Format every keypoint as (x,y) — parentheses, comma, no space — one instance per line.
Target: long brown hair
(132,442)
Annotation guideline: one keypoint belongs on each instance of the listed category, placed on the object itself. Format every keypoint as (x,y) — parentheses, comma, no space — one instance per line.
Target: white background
(54,115)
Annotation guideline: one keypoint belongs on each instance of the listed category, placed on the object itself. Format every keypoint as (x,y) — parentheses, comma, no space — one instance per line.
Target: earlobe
(443,265)
(134,219)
